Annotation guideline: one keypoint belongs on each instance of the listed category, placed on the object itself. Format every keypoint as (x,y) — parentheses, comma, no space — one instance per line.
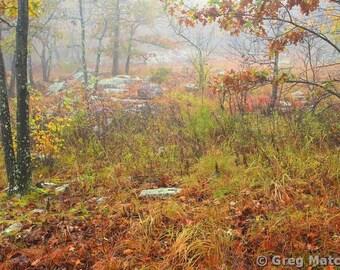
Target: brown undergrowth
(251,185)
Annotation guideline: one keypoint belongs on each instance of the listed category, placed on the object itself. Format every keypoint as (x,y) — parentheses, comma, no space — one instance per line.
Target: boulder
(79,76)
(137,79)
(118,82)
(62,188)
(95,99)
(142,108)
(191,87)
(57,87)
(160,192)
(285,106)
(114,82)
(129,79)
(221,73)
(101,199)
(125,77)
(150,91)
(298,95)
(38,211)
(114,90)
(14,228)
(147,79)
(125,100)
(45,185)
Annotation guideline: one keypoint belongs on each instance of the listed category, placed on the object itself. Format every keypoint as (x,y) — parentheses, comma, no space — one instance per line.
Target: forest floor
(251,186)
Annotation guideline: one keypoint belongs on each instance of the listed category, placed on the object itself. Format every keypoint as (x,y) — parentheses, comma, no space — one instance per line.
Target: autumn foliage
(251,16)
(251,182)
(249,186)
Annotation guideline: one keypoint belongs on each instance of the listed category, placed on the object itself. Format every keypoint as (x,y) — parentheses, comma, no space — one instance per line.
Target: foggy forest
(169,134)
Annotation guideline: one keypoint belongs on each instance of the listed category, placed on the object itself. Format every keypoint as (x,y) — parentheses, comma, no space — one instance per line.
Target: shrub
(160,75)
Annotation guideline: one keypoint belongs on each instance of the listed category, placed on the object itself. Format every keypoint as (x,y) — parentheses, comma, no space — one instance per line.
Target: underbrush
(251,185)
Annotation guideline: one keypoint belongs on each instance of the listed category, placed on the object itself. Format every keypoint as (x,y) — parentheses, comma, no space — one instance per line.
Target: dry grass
(275,191)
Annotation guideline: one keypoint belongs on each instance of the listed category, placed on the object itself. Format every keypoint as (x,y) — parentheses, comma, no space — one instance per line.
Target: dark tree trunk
(116,32)
(83,49)
(23,138)
(11,89)
(6,129)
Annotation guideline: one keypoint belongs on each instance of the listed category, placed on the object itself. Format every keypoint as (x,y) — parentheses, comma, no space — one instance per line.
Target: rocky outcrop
(149,91)
(57,87)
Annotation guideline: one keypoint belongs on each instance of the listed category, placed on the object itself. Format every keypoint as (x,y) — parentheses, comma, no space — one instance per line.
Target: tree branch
(6,22)
(315,84)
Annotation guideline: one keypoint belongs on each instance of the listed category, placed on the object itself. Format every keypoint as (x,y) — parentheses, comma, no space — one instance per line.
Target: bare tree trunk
(129,51)
(74,48)
(116,32)
(275,84)
(6,129)
(45,59)
(43,64)
(201,73)
(82,46)
(55,47)
(23,138)
(99,52)
(49,62)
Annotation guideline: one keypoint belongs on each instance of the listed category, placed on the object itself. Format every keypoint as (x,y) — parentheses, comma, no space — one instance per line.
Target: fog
(123,36)
(200,135)
(145,37)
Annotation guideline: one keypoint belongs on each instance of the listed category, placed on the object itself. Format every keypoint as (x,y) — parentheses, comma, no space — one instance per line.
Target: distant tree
(99,51)
(46,40)
(251,16)
(140,13)
(203,43)
(251,51)
(42,39)
(82,42)
(316,70)
(116,37)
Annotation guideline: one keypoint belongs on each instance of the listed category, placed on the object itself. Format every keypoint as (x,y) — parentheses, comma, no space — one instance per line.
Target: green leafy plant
(160,75)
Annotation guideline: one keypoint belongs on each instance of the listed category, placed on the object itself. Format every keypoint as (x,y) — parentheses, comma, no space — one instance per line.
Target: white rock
(57,87)
(45,185)
(112,83)
(14,228)
(114,90)
(62,188)
(150,91)
(39,211)
(191,87)
(160,192)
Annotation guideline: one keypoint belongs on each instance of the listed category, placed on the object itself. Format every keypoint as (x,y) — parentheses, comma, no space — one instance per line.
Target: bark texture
(23,131)
(6,129)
